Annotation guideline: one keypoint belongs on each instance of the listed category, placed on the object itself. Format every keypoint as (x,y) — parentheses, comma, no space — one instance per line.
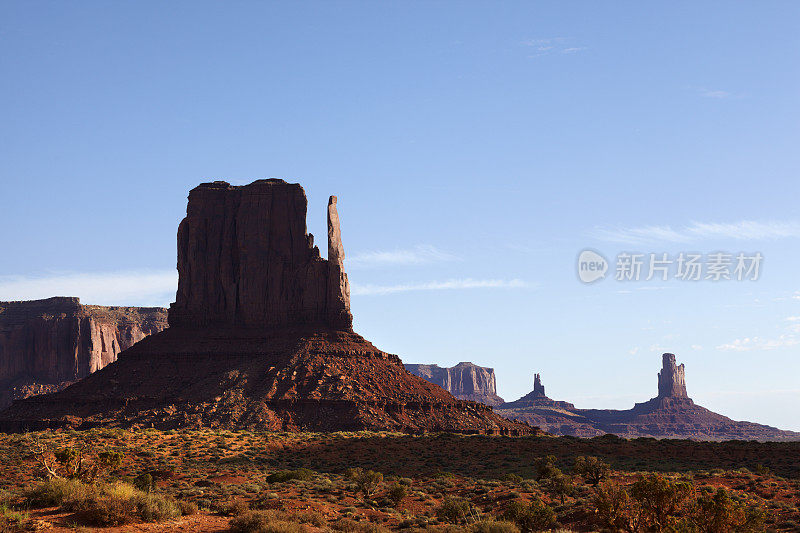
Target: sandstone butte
(45,345)
(260,336)
(466,381)
(671,414)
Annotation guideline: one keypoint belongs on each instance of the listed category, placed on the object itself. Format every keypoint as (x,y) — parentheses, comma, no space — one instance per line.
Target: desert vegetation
(242,481)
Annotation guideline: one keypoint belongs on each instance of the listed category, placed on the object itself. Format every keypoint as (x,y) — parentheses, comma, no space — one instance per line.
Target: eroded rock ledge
(47,344)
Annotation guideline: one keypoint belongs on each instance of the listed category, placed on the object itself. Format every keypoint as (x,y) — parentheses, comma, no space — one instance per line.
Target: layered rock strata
(260,337)
(465,381)
(671,414)
(47,344)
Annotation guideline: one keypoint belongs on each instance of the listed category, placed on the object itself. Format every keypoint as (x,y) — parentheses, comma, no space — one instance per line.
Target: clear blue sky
(476,149)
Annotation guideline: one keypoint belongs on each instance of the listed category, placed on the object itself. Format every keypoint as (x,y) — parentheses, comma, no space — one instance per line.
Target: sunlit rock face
(465,381)
(47,344)
(245,259)
(260,337)
(671,379)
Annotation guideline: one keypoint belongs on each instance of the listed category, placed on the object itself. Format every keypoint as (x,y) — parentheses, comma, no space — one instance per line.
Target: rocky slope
(671,414)
(260,337)
(47,344)
(465,381)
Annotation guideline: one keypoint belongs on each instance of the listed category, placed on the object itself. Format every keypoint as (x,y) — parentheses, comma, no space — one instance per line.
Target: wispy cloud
(696,231)
(714,93)
(154,287)
(758,343)
(451,284)
(551,45)
(418,255)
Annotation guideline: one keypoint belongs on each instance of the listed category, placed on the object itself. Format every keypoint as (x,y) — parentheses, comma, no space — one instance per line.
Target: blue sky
(476,149)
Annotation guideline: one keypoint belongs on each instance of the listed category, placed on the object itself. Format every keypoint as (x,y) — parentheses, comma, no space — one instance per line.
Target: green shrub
(660,499)
(559,486)
(157,508)
(396,493)
(592,469)
(367,481)
(54,492)
(347,525)
(144,482)
(264,522)
(454,510)
(11,520)
(512,478)
(104,504)
(493,526)
(533,516)
(303,474)
(545,467)
(720,513)
(615,509)
(187,508)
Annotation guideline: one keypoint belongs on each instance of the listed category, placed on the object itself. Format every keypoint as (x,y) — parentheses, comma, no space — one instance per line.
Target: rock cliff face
(671,414)
(47,344)
(538,388)
(245,259)
(260,337)
(465,381)
(671,379)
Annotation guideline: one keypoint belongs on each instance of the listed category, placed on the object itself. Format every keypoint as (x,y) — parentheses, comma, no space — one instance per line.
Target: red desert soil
(305,476)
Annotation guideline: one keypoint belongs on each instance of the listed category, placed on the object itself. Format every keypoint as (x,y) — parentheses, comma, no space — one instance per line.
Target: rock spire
(671,379)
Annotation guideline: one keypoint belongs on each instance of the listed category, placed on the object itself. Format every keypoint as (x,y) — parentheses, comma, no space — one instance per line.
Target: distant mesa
(671,414)
(465,381)
(46,345)
(260,337)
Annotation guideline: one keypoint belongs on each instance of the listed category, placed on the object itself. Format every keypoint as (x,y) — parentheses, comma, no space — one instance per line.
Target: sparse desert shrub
(512,478)
(308,517)
(616,509)
(493,526)
(533,516)
(592,469)
(187,508)
(144,482)
(11,521)
(53,492)
(303,474)
(264,522)
(367,481)
(545,467)
(347,525)
(454,510)
(157,508)
(234,508)
(559,486)
(721,514)
(396,493)
(103,504)
(660,499)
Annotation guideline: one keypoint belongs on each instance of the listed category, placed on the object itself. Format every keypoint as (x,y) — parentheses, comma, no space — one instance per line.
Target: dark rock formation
(245,259)
(671,414)
(538,388)
(553,416)
(465,381)
(260,337)
(47,344)
(671,379)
